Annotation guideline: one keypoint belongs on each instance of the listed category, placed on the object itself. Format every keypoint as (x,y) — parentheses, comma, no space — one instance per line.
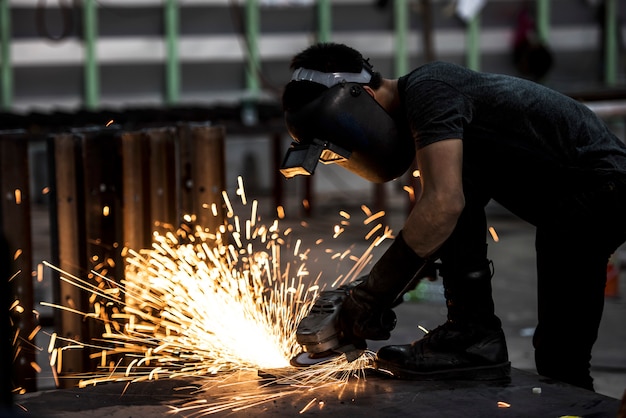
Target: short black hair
(326,57)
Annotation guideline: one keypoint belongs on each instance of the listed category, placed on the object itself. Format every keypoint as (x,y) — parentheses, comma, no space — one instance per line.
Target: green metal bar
(252,39)
(543,20)
(473,43)
(401,24)
(324,20)
(92,78)
(6,75)
(610,42)
(172,70)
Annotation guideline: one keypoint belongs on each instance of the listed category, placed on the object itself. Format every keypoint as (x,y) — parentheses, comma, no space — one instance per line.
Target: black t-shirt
(520,139)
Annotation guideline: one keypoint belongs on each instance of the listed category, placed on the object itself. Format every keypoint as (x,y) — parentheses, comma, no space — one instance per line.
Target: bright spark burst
(208,303)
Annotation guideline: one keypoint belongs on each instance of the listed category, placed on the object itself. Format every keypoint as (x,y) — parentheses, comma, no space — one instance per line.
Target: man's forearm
(429,225)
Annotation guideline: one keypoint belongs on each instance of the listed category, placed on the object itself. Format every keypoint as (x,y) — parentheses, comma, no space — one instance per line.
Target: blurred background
(121,55)
(108,102)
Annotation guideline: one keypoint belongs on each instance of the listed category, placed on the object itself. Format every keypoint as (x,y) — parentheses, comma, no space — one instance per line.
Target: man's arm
(437,210)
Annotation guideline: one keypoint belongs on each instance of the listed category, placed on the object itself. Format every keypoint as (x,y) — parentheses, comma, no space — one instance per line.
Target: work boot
(469,346)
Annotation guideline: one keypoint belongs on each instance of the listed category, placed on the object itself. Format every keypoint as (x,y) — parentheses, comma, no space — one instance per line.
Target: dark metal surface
(375,396)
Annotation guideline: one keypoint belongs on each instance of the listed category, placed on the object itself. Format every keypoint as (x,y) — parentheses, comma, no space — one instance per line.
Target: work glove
(367,313)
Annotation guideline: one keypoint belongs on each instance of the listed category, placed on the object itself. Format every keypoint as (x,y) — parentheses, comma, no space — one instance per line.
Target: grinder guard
(347,118)
(320,333)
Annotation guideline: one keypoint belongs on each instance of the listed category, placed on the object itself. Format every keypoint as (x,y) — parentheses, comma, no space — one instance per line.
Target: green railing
(172,73)
(6,73)
(252,34)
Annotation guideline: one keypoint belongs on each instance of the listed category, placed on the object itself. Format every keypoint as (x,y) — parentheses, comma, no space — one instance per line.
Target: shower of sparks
(214,303)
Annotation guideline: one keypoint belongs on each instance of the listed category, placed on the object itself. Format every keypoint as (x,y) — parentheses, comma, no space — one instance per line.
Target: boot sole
(492,372)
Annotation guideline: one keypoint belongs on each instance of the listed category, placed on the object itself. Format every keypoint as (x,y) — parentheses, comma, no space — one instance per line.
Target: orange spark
(494,234)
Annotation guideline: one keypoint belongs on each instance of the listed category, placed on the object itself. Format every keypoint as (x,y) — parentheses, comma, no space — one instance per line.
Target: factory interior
(152,247)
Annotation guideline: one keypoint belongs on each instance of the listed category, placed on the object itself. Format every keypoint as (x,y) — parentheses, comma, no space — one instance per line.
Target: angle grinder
(320,333)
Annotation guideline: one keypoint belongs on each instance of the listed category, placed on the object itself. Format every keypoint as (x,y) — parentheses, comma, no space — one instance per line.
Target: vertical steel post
(172,70)
(208,173)
(15,209)
(102,173)
(91,73)
(252,41)
(610,42)
(162,185)
(68,239)
(6,345)
(6,75)
(543,20)
(136,190)
(101,166)
(401,25)
(324,21)
(184,172)
(473,43)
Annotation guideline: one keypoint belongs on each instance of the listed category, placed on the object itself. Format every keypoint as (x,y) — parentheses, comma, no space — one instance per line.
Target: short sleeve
(436,111)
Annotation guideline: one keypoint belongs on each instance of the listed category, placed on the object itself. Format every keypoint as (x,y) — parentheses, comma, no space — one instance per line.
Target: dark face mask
(346,126)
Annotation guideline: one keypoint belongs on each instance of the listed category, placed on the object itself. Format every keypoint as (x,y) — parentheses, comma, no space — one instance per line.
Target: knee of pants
(564,341)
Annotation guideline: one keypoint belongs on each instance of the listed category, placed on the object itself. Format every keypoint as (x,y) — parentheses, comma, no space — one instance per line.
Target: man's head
(326,58)
(333,118)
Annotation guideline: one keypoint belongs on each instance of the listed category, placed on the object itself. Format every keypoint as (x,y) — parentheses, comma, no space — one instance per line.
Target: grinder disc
(305,359)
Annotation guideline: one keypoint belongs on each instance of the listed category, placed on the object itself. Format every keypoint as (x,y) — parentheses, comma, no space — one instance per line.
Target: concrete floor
(514,295)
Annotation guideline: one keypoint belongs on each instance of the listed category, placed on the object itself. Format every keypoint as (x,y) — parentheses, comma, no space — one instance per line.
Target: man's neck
(391,97)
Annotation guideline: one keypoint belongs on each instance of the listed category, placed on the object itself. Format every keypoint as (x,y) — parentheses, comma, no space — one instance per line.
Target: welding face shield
(346,126)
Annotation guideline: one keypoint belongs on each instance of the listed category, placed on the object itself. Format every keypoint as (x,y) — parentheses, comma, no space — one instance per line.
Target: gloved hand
(361,318)
(366,312)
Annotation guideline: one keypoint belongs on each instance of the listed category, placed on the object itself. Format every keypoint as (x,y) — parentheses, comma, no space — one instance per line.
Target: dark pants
(571,276)
(574,239)
(573,251)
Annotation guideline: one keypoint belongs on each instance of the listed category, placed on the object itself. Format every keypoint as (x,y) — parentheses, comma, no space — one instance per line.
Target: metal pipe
(90,33)
(172,70)
(324,20)
(473,43)
(543,20)
(610,42)
(5,56)
(608,109)
(252,39)
(401,24)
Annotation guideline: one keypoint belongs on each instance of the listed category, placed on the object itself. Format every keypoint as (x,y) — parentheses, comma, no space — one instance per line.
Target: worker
(475,137)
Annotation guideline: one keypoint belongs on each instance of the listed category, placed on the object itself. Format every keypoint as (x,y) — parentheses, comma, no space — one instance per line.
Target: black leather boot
(469,346)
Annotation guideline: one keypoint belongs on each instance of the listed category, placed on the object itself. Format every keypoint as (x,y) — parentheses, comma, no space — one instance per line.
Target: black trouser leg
(466,270)
(466,248)
(571,273)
